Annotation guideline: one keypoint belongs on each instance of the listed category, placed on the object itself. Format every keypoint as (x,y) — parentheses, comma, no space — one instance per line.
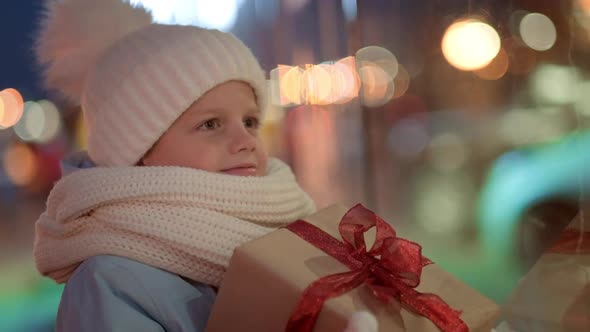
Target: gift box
(555,295)
(274,283)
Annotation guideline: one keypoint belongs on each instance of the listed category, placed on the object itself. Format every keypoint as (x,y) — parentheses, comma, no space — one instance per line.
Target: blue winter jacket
(111,293)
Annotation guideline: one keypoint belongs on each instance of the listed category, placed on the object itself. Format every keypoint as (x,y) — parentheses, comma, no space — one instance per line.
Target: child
(141,228)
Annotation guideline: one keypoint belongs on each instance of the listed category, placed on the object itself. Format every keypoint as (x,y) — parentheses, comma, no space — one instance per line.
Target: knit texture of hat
(134,78)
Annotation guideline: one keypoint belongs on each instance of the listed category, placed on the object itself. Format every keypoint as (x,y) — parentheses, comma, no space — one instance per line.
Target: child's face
(218,133)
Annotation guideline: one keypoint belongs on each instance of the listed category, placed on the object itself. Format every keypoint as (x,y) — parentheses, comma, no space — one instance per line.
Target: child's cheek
(262,163)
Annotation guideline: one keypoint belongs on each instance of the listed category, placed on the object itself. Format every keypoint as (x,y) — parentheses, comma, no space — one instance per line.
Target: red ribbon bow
(391,269)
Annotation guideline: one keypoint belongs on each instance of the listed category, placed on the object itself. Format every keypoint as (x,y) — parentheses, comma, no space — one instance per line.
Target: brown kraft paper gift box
(266,277)
(555,295)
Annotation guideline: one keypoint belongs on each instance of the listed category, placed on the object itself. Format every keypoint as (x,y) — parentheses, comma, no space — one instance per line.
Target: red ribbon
(568,243)
(391,269)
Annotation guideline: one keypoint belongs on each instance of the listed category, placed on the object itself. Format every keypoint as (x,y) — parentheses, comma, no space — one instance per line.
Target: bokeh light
(401,82)
(550,110)
(218,14)
(448,152)
(441,199)
(584,5)
(17,96)
(581,13)
(274,89)
(377,67)
(538,31)
(349,9)
(470,44)
(317,83)
(325,84)
(290,84)
(347,79)
(53,123)
(582,103)
(379,56)
(495,69)
(12,107)
(338,87)
(526,127)
(376,85)
(30,127)
(20,164)
(554,84)
(40,123)
(335,84)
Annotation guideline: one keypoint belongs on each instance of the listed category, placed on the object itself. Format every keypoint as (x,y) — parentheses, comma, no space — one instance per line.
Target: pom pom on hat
(133,79)
(75,33)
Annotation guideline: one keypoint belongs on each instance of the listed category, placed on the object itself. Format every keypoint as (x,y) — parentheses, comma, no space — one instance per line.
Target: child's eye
(252,122)
(209,125)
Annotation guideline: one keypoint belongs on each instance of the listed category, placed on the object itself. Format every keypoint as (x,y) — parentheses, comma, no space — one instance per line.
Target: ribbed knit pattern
(150,77)
(182,220)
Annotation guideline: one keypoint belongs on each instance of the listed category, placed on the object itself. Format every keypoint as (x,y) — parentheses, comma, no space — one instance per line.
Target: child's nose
(243,140)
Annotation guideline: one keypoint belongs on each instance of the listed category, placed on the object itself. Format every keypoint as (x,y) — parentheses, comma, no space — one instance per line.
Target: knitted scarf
(182,220)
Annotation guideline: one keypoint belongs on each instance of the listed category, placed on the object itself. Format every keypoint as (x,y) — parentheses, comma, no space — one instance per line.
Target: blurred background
(464,123)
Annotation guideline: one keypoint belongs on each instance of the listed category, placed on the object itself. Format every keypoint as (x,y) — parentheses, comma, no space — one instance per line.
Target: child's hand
(362,321)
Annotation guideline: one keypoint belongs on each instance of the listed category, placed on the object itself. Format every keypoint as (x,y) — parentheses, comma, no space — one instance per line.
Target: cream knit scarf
(182,220)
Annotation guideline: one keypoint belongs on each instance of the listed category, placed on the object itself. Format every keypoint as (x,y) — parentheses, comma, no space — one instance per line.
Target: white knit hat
(134,78)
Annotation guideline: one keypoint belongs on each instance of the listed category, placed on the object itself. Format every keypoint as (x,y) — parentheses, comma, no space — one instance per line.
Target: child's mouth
(241,171)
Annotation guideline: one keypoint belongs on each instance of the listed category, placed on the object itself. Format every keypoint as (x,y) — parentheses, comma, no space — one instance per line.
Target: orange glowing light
(377,85)
(290,83)
(470,44)
(20,164)
(495,69)
(317,85)
(13,107)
